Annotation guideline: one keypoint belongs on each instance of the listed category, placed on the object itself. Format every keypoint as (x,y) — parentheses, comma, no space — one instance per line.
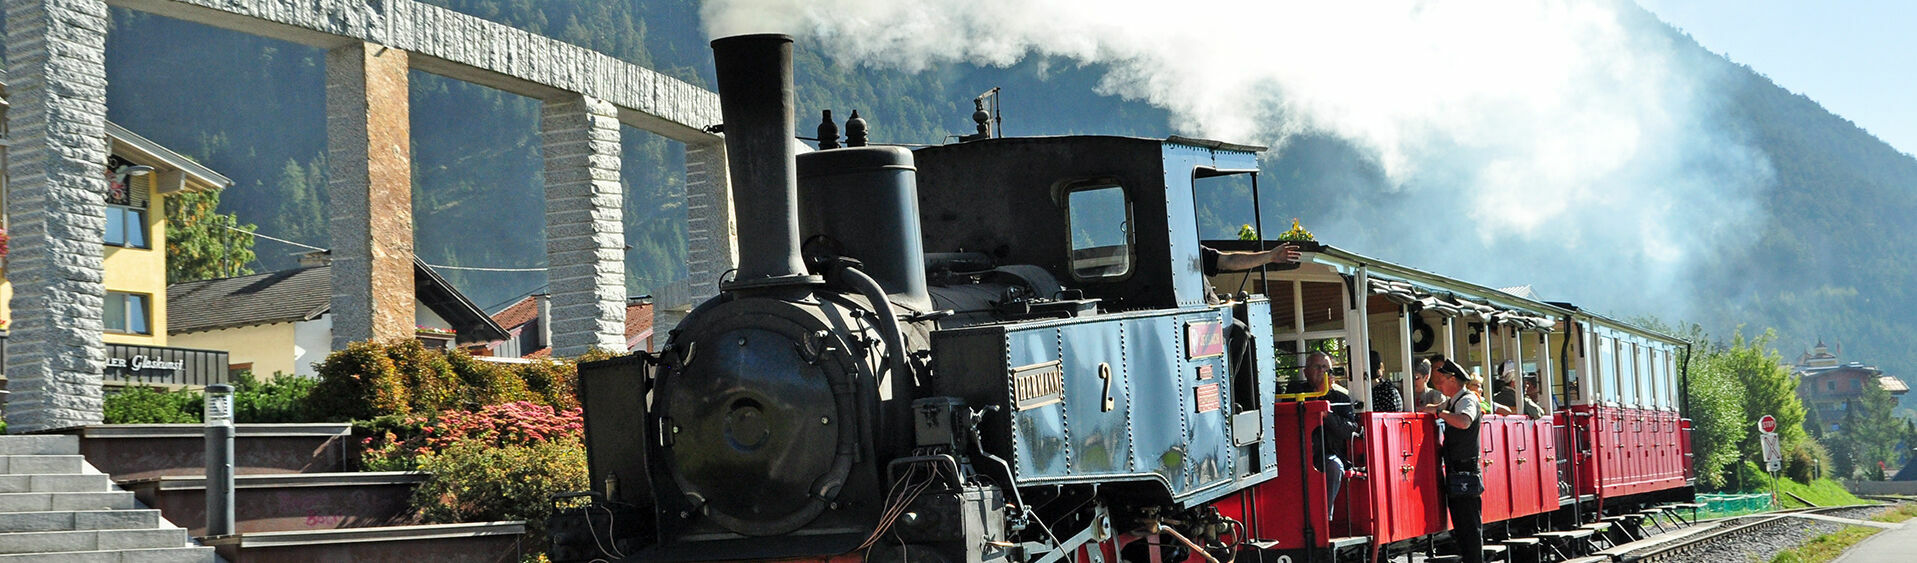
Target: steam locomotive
(1007,349)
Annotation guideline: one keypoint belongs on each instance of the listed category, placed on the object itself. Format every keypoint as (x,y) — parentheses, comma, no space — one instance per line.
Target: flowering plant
(423,329)
(519,423)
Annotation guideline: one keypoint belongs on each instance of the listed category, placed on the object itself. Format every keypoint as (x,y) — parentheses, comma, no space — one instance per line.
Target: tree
(201,242)
(1870,434)
(1768,389)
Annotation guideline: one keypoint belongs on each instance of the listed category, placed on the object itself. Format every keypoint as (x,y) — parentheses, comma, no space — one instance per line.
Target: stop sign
(1767,425)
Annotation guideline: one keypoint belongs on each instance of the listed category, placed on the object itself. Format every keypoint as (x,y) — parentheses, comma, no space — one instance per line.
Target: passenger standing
(1421,384)
(1462,485)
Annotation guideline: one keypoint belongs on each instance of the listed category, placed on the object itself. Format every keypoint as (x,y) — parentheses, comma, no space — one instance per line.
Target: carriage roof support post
(1516,340)
(1450,340)
(1546,390)
(1404,350)
(1360,340)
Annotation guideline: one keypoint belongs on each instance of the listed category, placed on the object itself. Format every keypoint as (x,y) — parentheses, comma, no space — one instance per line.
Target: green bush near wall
(148,405)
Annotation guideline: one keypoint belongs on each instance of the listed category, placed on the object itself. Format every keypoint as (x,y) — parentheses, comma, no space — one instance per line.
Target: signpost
(1773,453)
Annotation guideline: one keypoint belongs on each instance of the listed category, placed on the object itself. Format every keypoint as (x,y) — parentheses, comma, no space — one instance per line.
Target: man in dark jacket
(1340,425)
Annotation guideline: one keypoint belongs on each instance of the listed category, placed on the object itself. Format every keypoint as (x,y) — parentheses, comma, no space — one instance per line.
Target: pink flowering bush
(521,423)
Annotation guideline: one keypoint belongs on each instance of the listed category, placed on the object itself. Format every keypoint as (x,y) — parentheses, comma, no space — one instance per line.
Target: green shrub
(430,383)
(360,382)
(369,380)
(1803,458)
(486,383)
(283,398)
(473,482)
(554,384)
(147,405)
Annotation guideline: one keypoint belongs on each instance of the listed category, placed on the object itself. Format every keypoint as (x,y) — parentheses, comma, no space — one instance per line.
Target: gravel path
(1789,534)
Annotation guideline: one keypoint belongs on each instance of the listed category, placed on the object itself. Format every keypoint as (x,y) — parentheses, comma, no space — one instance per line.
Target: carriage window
(1100,223)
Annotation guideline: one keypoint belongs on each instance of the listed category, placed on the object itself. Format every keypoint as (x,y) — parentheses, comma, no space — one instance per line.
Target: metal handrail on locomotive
(1006,349)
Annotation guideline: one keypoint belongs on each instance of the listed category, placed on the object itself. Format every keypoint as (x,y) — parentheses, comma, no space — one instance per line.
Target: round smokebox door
(757,432)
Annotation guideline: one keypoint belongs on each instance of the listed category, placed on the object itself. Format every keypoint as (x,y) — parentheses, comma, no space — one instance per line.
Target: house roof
(274,297)
(1892,384)
(306,294)
(526,310)
(149,150)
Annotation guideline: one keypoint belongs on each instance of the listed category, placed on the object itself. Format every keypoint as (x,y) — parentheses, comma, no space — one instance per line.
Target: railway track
(1695,545)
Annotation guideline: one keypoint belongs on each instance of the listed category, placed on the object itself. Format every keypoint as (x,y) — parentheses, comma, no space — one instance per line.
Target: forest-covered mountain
(1823,262)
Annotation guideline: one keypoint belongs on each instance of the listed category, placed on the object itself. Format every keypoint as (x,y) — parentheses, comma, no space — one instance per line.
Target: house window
(127,200)
(1099,222)
(126,226)
(1830,386)
(126,313)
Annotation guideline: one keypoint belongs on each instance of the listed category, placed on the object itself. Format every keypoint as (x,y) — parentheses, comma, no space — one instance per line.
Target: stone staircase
(296,496)
(55,508)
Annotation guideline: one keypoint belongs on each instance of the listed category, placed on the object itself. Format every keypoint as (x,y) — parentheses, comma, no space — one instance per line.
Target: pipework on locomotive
(1006,349)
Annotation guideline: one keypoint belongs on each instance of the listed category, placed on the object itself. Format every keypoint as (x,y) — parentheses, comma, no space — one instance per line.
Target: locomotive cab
(1111,217)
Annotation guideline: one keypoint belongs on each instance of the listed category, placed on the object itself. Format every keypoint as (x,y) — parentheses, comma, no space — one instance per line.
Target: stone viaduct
(56,69)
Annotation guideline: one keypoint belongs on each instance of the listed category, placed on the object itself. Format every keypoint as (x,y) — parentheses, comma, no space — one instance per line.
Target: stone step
(161,555)
(41,464)
(287,502)
(72,483)
(42,502)
(141,451)
(69,520)
(40,445)
(91,540)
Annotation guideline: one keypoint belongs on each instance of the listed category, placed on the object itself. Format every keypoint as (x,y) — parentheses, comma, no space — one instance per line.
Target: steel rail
(1683,548)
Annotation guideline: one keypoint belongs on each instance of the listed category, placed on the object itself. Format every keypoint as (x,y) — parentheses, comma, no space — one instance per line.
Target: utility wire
(280,240)
(434,266)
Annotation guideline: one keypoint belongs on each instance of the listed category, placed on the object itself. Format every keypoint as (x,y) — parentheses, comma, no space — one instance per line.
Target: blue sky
(1856,57)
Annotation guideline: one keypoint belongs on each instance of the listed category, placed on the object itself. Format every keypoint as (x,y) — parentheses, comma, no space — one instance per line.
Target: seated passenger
(1340,426)
(1507,395)
(1385,397)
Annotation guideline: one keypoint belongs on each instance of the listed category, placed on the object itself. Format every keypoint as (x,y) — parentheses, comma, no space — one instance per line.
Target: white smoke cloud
(1561,143)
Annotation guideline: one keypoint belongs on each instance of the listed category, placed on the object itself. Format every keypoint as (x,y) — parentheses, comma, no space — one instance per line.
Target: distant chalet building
(529,334)
(278,322)
(1827,385)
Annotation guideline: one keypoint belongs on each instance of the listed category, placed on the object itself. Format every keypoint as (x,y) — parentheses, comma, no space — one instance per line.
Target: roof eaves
(195,170)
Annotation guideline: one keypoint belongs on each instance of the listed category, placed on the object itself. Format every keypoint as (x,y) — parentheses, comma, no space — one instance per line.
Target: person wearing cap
(1507,395)
(1459,448)
(1475,383)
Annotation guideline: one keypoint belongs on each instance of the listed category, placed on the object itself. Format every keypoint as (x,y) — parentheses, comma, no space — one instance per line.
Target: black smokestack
(755,98)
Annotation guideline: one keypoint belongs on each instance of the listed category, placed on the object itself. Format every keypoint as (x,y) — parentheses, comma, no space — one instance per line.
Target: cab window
(1100,223)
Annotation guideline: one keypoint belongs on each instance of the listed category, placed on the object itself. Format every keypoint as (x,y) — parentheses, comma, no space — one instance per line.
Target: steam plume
(1571,144)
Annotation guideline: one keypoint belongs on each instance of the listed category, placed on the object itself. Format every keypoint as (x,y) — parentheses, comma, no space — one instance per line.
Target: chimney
(755,98)
(543,322)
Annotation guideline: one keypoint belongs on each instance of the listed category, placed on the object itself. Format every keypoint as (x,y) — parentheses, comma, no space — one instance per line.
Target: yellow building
(141,175)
